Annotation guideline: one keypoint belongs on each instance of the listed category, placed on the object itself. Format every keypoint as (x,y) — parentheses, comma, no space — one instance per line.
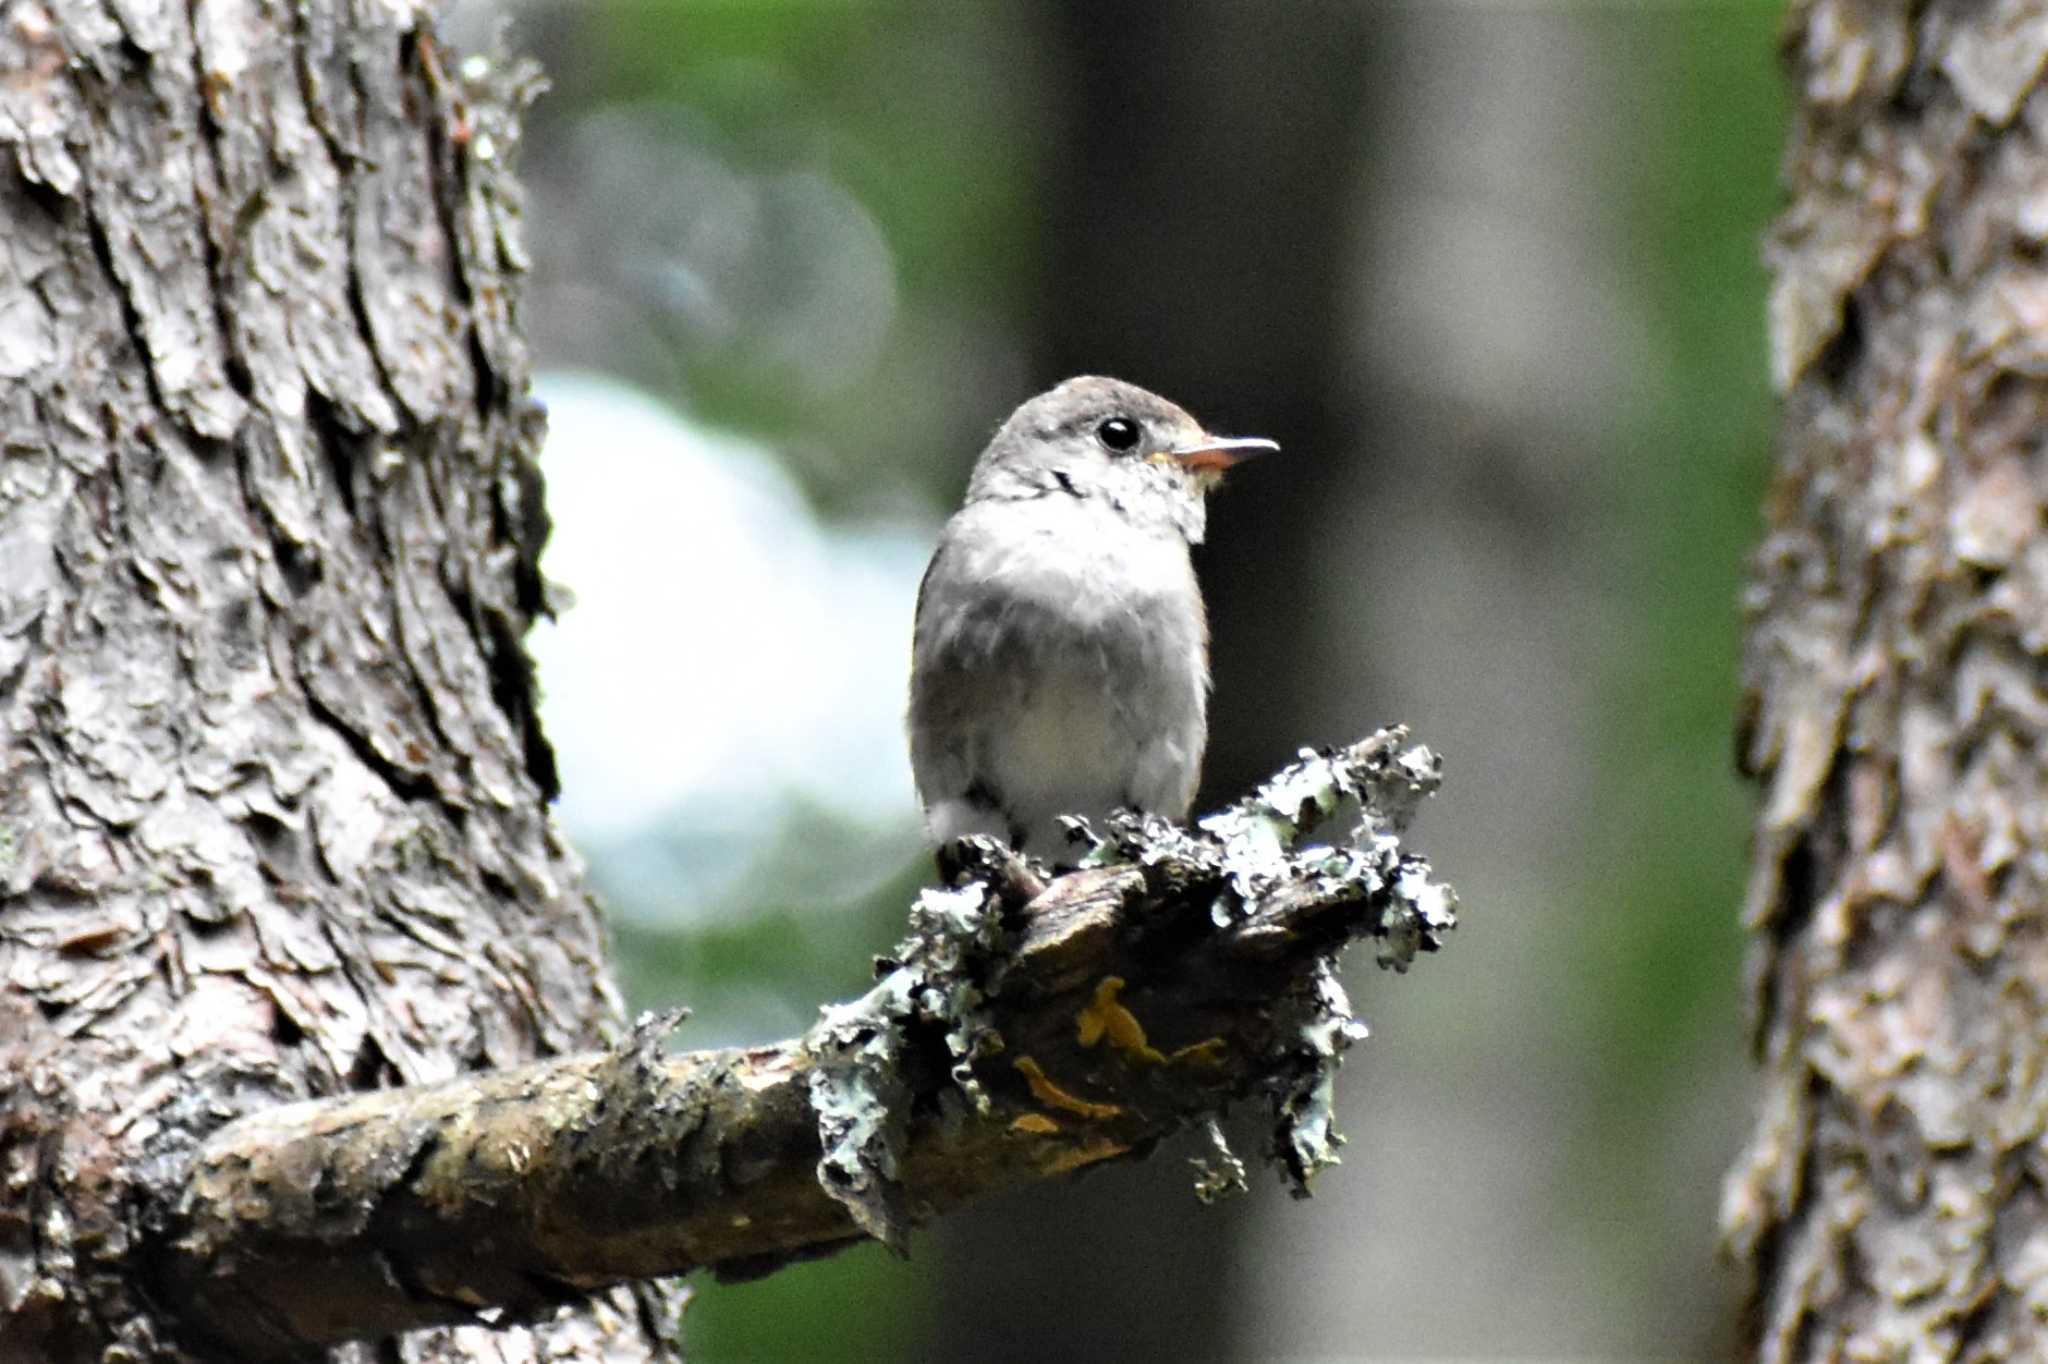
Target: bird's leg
(1015,879)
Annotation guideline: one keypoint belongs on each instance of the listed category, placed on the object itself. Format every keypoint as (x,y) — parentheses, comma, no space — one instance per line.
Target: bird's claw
(1015,878)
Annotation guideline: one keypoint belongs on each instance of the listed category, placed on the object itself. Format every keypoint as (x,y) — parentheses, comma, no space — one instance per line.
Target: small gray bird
(1061,658)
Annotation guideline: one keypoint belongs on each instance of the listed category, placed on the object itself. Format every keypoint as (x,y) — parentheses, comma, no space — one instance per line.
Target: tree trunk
(273,804)
(1893,1202)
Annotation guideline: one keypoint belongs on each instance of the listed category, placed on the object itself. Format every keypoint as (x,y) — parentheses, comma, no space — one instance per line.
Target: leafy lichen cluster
(859,1090)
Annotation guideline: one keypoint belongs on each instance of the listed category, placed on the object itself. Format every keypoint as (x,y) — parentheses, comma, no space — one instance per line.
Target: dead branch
(1006,1041)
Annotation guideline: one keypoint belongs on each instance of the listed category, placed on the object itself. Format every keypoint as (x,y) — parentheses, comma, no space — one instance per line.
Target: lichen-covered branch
(1005,1042)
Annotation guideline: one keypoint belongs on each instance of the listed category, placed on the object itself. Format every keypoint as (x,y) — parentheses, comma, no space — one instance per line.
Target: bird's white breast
(1077,645)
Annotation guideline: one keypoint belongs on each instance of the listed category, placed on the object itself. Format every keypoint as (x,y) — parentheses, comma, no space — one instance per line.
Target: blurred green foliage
(928,114)
(1659,1018)
(1693,515)
(863,1304)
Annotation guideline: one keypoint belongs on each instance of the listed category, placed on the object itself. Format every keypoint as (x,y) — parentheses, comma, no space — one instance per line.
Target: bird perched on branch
(1061,658)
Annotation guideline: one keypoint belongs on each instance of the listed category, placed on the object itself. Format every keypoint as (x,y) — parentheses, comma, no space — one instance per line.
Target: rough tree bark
(272,801)
(1893,1202)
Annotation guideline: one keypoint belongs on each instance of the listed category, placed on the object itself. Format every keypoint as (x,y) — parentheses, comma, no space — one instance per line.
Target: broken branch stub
(1275,911)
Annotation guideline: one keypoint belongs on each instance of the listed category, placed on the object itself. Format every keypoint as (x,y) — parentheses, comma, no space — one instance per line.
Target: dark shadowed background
(1490,275)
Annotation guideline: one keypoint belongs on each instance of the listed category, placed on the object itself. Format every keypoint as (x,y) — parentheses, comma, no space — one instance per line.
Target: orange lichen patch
(1209,1052)
(1104,1018)
(1034,1122)
(1087,1153)
(1052,1096)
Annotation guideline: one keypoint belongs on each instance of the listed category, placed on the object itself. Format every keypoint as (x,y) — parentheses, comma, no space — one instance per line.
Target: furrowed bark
(1891,1204)
(273,802)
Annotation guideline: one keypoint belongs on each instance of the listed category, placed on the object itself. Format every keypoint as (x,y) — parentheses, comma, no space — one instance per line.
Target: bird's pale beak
(1214,454)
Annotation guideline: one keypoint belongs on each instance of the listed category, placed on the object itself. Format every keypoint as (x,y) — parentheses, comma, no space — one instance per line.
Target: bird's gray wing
(960,686)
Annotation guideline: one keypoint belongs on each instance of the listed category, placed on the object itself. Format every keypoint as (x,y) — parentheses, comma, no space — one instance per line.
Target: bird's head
(1105,439)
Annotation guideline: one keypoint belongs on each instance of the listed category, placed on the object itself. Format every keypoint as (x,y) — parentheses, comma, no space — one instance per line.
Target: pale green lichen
(1385,782)
(1304,1088)
(860,1099)
(949,931)
(1219,1174)
(857,1090)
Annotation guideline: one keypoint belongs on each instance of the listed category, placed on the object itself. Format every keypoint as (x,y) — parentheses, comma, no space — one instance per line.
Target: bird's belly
(1070,748)
(1100,725)
(1060,684)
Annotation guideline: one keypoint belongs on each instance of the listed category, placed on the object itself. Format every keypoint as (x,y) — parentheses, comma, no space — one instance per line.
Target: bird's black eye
(1118,433)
